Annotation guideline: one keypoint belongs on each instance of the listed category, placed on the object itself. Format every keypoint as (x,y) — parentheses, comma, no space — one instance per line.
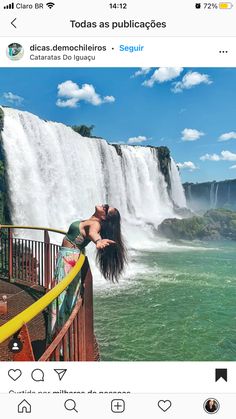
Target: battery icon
(226,5)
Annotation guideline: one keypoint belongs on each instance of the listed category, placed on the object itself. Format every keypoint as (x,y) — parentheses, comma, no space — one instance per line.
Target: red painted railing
(27,260)
(75,341)
(32,263)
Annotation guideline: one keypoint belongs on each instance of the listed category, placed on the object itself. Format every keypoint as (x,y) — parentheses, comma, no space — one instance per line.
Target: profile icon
(15,346)
(211,406)
(15,51)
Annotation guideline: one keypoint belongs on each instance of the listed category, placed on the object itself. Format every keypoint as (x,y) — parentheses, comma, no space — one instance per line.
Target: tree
(83,130)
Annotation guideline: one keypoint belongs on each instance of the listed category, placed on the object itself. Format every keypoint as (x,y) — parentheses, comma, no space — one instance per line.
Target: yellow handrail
(13,325)
(33,228)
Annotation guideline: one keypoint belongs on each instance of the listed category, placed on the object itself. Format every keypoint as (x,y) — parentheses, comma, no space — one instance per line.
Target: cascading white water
(57,176)
(212,195)
(177,190)
(189,192)
(216,196)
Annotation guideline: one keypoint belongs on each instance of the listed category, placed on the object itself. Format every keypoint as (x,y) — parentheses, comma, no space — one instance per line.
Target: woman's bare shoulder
(91,223)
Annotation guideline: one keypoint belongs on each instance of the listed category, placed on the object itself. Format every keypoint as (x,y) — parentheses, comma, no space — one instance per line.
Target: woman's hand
(101,244)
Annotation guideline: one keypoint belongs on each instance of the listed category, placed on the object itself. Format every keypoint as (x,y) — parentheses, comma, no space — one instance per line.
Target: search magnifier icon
(70,404)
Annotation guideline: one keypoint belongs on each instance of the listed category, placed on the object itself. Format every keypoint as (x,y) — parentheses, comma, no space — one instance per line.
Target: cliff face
(203,196)
(163,155)
(4,201)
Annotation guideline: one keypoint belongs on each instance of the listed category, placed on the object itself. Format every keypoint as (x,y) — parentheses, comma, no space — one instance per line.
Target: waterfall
(57,176)
(212,195)
(216,196)
(177,190)
(189,192)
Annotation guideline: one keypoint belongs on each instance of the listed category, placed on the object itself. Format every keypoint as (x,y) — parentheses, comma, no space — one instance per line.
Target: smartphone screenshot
(117,209)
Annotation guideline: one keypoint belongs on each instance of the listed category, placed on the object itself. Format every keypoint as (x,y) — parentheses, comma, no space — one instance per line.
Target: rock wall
(163,154)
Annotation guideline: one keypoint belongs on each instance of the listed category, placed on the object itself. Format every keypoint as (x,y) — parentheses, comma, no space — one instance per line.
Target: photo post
(163,175)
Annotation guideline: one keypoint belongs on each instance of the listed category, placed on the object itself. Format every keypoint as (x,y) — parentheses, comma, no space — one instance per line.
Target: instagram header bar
(131,18)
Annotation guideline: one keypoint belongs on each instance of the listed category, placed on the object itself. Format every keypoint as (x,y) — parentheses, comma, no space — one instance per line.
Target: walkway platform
(19,297)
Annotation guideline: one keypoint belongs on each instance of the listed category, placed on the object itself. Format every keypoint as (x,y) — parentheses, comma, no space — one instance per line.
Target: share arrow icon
(60,373)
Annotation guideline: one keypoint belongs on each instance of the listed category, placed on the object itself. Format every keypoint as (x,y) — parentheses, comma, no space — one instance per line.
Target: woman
(104,230)
(211,406)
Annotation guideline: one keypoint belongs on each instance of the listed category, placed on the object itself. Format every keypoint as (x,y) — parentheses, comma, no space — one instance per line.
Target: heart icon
(164,405)
(14,374)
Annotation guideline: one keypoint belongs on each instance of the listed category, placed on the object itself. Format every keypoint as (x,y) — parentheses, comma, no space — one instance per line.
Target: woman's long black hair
(112,258)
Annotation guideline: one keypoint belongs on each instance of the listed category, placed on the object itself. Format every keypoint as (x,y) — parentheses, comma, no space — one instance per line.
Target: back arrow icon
(12,23)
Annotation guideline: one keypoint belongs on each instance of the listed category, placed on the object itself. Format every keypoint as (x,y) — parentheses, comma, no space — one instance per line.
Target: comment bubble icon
(37,375)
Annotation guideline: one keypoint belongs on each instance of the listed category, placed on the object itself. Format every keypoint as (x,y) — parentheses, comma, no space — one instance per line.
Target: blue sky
(190,110)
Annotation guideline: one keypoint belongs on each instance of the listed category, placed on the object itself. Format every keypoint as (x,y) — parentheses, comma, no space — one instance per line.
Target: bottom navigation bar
(131,406)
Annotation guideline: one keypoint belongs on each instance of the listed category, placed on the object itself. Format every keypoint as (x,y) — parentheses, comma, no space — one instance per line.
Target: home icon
(24,407)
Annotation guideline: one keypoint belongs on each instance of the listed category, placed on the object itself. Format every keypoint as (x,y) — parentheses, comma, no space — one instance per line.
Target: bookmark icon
(221,373)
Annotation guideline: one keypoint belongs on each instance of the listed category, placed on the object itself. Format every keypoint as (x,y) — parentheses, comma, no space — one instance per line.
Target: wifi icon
(50,5)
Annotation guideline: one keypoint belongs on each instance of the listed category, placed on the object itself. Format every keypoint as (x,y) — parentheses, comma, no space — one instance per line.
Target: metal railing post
(47,260)
(10,255)
(88,310)
(26,354)
(81,335)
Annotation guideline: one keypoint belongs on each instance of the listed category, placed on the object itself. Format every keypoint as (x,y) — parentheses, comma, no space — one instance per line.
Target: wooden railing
(75,341)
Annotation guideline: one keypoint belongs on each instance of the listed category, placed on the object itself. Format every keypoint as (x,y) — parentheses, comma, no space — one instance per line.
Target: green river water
(181,306)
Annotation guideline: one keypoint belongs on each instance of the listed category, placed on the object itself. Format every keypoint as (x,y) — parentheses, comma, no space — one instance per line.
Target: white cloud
(224,155)
(189,134)
(139,139)
(142,72)
(191,79)
(233,167)
(108,99)
(12,98)
(163,74)
(70,94)
(69,103)
(227,155)
(228,136)
(212,157)
(187,165)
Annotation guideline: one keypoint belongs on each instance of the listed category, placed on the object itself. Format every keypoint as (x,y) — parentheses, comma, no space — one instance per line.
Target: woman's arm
(94,232)
(94,235)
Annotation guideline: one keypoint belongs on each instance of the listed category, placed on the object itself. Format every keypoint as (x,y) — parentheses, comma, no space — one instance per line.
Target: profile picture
(15,51)
(211,406)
